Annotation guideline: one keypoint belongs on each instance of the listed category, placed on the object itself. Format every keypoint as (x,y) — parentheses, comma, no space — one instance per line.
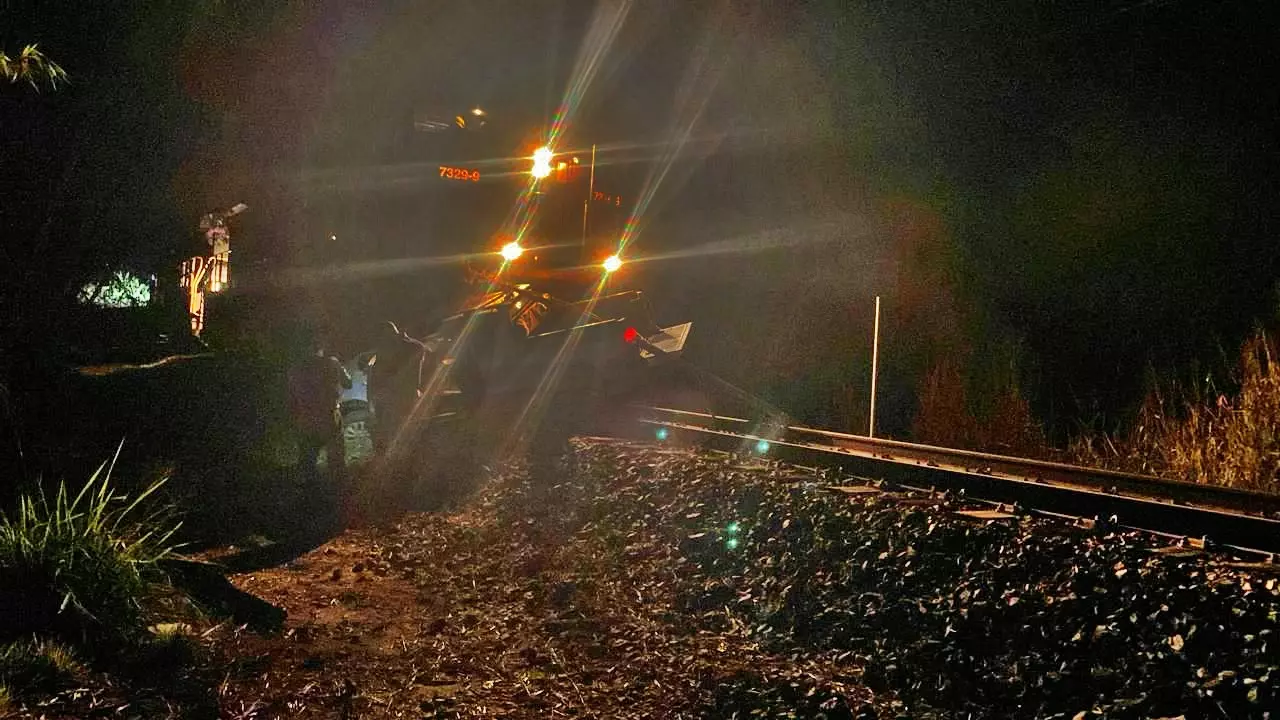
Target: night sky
(1092,182)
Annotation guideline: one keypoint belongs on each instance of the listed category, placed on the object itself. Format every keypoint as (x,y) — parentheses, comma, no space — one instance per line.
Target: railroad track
(1189,515)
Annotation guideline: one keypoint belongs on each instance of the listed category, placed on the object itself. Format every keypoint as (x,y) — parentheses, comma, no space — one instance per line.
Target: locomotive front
(549,337)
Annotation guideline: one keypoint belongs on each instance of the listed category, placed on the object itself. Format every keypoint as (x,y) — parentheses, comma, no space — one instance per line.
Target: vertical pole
(875,367)
(591,190)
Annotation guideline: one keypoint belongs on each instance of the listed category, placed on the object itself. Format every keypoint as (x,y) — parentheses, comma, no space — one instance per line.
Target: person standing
(316,383)
(393,382)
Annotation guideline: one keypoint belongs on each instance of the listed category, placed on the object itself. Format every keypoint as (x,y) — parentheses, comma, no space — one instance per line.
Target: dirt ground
(643,580)
(512,605)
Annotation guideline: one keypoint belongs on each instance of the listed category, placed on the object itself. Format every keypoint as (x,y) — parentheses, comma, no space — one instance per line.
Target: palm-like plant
(31,66)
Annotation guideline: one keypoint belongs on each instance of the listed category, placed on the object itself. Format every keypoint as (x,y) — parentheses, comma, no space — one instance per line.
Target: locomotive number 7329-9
(454,173)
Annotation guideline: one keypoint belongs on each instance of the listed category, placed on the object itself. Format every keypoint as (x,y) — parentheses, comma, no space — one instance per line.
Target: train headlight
(541,163)
(511,251)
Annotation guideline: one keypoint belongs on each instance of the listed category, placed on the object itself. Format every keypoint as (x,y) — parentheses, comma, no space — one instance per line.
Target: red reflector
(630,334)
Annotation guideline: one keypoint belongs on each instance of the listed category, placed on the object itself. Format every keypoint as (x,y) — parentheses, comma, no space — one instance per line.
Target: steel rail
(1209,496)
(1204,514)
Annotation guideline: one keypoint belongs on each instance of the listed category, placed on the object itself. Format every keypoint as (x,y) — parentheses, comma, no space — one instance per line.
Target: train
(547,338)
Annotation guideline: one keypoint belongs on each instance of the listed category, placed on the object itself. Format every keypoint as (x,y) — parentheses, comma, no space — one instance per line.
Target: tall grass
(1224,439)
(950,415)
(77,565)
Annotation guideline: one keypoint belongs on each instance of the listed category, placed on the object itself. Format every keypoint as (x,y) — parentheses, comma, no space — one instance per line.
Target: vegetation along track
(1186,513)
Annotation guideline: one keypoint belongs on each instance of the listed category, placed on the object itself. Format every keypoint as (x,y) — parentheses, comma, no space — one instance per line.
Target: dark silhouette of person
(393,382)
(316,382)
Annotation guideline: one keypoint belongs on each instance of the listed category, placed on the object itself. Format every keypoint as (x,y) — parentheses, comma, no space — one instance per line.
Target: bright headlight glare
(512,251)
(541,163)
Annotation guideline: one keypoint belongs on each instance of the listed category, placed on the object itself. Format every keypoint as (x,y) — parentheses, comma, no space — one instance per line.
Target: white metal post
(875,366)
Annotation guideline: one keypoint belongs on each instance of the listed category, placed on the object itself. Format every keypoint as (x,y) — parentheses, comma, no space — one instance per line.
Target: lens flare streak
(691,101)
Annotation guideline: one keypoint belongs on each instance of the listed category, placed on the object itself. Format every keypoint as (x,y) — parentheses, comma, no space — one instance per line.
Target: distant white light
(477,112)
(612,263)
(512,251)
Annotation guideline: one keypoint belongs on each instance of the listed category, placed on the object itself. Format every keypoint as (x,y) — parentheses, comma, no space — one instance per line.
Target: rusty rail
(1226,516)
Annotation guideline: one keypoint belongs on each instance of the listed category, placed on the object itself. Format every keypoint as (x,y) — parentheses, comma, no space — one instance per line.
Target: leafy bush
(1203,437)
(77,566)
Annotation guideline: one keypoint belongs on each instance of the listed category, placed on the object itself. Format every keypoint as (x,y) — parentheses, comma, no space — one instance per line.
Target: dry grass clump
(949,416)
(1216,440)
(35,666)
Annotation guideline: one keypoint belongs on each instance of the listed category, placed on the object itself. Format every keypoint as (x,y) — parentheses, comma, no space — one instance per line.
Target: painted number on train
(615,200)
(454,173)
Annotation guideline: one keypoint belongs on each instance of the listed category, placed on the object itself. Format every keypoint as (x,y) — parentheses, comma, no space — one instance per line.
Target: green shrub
(78,566)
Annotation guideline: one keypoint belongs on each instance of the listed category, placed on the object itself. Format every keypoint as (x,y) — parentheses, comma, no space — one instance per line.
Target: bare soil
(511,606)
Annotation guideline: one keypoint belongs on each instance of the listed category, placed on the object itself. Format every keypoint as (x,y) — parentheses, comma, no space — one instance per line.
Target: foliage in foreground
(1217,440)
(34,666)
(32,67)
(77,567)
